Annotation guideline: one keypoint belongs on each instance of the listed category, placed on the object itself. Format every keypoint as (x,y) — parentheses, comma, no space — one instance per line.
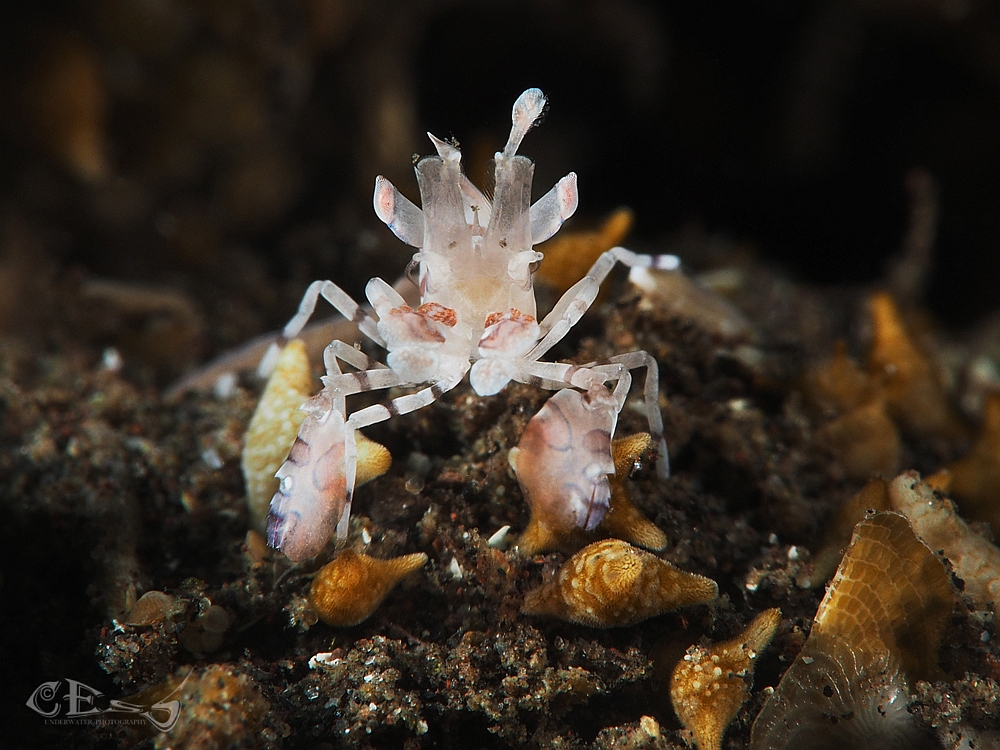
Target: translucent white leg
(350,475)
(347,353)
(337,297)
(403,404)
(579,297)
(343,303)
(556,375)
(349,383)
(651,397)
(371,374)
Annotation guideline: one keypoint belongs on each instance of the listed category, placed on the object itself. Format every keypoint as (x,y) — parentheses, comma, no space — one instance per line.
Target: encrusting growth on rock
(551,531)
(878,628)
(674,294)
(611,583)
(710,683)
(975,559)
(347,590)
(273,429)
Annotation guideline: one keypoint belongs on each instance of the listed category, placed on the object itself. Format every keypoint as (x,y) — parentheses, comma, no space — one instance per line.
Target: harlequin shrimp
(476,316)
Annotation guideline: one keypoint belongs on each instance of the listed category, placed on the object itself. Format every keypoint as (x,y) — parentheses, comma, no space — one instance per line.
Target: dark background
(225,151)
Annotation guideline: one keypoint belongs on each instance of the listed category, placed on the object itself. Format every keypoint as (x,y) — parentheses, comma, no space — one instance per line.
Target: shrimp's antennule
(527,109)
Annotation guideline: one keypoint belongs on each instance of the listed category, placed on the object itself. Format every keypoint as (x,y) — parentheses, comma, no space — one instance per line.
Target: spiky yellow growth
(374,459)
(622,520)
(711,682)
(611,583)
(273,428)
(347,590)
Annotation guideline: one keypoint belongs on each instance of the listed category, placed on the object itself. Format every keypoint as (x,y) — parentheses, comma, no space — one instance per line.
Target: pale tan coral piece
(878,628)
(274,426)
(975,559)
(611,583)
(151,607)
(622,520)
(347,590)
(679,296)
(710,683)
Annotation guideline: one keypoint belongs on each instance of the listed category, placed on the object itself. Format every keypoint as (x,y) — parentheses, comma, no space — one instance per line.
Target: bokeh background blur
(174,172)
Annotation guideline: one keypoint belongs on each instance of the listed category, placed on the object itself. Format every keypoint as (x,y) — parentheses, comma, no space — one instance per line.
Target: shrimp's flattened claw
(564,459)
(398,213)
(313,492)
(552,209)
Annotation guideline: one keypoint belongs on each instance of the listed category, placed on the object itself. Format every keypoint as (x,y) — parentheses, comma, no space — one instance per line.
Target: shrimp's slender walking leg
(579,297)
(651,398)
(337,297)
(402,405)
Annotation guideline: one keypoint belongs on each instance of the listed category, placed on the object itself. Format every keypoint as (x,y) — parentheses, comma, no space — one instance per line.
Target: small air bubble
(111,360)
(224,386)
(211,458)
